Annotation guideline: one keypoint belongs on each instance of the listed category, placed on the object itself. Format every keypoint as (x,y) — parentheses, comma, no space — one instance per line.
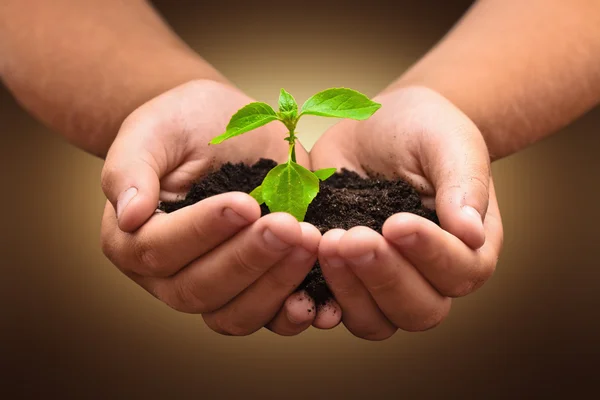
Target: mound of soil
(345,200)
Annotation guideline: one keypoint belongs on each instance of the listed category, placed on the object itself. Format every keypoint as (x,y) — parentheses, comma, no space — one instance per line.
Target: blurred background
(73,326)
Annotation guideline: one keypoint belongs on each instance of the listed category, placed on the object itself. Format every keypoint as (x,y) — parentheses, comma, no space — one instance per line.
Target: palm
(395,142)
(422,138)
(194,114)
(218,257)
(417,136)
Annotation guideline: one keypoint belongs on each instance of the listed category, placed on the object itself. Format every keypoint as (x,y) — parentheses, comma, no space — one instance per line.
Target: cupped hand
(405,277)
(217,257)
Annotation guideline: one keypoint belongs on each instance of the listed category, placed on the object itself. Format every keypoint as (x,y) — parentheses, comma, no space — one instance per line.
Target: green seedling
(290,187)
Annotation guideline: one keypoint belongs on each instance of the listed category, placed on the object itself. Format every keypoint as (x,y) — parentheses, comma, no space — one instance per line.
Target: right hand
(405,277)
(217,257)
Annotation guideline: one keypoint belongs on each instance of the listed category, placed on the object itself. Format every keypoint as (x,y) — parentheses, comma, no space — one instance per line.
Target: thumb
(460,171)
(130,181)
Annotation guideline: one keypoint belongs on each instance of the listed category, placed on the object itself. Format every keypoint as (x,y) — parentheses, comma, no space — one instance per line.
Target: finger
(445,261)
(402,294)
(131,174)
(361,314)
(217,277)
(257,305)
(168,242)
(329,315)
(459,168)
(296,315)
(449,265)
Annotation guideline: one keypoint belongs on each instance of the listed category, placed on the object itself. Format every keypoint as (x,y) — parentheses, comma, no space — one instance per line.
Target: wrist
(144,83)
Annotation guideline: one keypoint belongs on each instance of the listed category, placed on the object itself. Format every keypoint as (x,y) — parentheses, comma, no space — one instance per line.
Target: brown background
(72,324)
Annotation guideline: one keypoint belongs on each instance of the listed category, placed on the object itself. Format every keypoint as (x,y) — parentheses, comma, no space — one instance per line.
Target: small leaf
(247,118)
(324,173)
(340,103)
(257,195)
(287,102)
(290,188)
(288,109)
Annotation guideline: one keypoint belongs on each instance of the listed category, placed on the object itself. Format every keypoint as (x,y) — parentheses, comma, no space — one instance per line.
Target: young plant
(290,187)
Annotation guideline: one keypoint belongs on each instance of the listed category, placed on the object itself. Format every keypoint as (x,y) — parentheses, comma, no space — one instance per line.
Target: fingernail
(407,240)
(273,241)
(362,260)
(471,212)
(234,217)
(301,254)
(335,262)
(124,199)
(473,215)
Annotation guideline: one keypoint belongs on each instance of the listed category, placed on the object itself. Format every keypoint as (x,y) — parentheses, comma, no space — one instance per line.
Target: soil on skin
(345,200)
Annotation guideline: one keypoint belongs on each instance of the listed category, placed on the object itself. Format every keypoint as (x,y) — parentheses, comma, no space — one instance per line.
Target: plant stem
(292,141)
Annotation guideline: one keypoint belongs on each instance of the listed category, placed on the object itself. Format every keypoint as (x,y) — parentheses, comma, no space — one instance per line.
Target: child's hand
(217,257)
(405,278)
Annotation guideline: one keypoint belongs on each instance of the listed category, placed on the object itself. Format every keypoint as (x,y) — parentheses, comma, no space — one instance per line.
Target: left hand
(405,278)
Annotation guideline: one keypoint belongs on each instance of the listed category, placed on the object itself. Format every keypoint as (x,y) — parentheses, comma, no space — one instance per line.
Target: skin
(405,277)
(520,70)
(250,264)
(150,99)
(473,98)
(503,78)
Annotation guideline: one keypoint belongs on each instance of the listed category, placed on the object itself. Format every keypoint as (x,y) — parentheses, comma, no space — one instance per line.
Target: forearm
(83,66)
(519,69)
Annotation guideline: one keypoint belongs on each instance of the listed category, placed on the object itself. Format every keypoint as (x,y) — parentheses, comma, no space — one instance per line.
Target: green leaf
(287,102)
(288,109)
(290,188)
(247,118)
(324,173)
(340,103)
(257,195)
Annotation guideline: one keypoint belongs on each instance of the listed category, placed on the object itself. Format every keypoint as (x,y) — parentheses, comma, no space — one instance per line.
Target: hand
(216,257)
(406,277)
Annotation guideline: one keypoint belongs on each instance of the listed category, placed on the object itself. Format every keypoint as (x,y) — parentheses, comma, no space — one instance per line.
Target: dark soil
(345,200)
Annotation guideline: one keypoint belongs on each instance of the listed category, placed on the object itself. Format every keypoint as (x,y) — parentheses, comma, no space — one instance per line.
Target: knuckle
(147,258)
(475,280)
(246,266)
(108,247)
(202,89)
(202,84)
(484,272)
(459,290)
(184,299)
(107,178)
(419,324)
(199,228)
(274,282)
(278,278)
(382,286)
(223,324)
(470,281)
(165,295)
(367,332)
(285,329)
(426,318)
(435,255)
(347,290)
